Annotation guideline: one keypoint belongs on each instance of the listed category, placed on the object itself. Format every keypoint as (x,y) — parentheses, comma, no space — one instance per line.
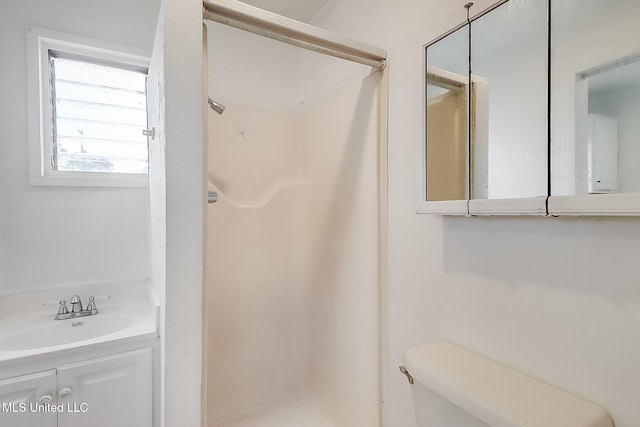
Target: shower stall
(296,141)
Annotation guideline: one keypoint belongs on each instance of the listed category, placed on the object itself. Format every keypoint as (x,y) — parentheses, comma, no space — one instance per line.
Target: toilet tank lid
(495,394)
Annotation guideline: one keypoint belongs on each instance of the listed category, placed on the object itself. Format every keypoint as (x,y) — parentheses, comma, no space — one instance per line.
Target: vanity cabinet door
(25,400)
(105,392)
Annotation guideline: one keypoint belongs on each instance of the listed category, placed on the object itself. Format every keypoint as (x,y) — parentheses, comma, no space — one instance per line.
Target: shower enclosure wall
(292,305)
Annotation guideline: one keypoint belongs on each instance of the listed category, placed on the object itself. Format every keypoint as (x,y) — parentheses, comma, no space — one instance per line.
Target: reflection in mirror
(446,137)
(510,78)
(595,97)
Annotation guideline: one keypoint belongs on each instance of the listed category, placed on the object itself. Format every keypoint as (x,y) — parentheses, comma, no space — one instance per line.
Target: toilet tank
(454,387)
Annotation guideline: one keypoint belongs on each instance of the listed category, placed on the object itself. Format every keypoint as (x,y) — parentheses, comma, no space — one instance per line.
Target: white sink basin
(28,331)
(60,332)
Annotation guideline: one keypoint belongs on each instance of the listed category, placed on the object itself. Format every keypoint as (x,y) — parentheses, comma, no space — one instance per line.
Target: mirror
(518,111)
(510,77)
(447,160)
(595,97)
(508,106)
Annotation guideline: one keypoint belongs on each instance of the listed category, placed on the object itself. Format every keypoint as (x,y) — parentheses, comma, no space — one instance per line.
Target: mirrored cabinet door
(595,97)
(533,108)
(447,148)
(509,101)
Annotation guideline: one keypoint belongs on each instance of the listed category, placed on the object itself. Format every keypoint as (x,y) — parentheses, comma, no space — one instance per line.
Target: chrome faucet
(76,308)
(76,304)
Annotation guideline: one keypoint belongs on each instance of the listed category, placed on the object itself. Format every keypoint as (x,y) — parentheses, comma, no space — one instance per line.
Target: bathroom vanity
(95,370)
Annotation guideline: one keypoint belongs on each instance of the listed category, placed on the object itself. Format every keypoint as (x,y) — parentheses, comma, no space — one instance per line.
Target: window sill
(131,181)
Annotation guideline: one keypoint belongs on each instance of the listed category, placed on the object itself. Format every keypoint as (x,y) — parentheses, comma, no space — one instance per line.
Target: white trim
(518,206)
(383,245)
(444,207)
(39,42)
(101,180)
(287,30)
(619,204)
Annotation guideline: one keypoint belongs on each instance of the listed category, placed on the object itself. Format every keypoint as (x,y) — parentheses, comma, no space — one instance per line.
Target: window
(88,104)
(98,113)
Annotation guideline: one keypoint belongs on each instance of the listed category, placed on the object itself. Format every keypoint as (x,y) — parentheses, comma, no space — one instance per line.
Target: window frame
(39,43)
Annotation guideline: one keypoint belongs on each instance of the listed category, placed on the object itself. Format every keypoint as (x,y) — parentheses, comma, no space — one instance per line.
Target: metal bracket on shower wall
(404,371)
(212,197)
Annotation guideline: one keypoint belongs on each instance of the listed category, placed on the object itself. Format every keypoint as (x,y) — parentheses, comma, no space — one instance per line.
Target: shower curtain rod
(249,18)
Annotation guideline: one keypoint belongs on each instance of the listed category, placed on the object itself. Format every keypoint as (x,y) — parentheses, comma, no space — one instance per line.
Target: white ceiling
(301,10)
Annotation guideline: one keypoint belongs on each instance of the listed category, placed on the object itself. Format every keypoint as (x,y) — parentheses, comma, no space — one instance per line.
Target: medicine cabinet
(532,107)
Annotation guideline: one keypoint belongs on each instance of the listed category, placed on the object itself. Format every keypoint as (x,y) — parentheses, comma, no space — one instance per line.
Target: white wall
(253,71)
(63,235)
(556,298)
(181,141)
(341,259)
(257,341)
(156,108)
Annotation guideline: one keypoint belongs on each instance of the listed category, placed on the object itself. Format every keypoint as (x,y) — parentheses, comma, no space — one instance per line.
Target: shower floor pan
(281,414)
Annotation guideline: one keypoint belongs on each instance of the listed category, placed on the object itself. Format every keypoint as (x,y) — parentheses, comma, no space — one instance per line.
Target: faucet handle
(91,306)
(62,310)
(63,307)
